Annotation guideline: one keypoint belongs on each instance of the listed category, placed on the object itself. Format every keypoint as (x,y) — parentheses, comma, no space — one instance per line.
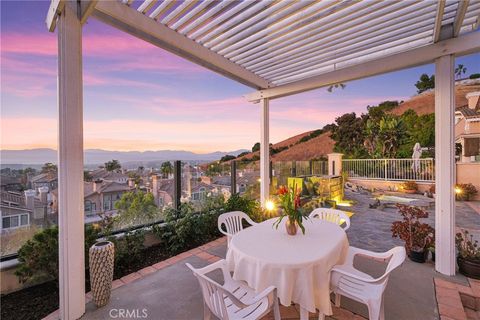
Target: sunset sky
(139,97)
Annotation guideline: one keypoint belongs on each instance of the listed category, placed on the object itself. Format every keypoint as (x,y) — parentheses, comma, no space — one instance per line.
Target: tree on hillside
(227,157)
(112,165)
(391,135)
(425,83)
(243,154)
(348,135)
(256,147)
(459,70)
(49,168)
(419,129)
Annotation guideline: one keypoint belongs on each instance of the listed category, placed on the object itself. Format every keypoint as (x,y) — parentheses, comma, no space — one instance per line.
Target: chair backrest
(331,215)
(214,294)
(233,222)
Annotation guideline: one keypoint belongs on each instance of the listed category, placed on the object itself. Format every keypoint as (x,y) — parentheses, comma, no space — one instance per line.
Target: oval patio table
(298,266)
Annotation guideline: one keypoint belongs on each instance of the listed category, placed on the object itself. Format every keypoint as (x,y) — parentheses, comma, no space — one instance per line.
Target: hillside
(321,145)
(424,103)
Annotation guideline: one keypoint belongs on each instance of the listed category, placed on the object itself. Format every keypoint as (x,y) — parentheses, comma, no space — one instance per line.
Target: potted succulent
(468,258)
(409,187)
(290,208)
(417,236)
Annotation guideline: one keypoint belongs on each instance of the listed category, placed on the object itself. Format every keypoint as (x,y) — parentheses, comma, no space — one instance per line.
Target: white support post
(264,152)
(445,165)
(70,164)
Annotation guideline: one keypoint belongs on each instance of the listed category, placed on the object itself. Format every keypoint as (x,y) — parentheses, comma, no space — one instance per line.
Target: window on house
(88,206)
(15,221)
(24,220)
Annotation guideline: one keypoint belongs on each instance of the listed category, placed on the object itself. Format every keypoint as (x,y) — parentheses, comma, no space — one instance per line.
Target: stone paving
(370,228)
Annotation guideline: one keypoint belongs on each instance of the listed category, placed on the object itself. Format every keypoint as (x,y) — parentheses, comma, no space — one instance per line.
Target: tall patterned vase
(101,257)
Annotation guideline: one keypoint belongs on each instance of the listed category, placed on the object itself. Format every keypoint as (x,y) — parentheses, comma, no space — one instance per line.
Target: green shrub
(38,257)
(128,249)
(475,76)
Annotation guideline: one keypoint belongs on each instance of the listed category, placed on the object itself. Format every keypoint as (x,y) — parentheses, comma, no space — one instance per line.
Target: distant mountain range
(96,156)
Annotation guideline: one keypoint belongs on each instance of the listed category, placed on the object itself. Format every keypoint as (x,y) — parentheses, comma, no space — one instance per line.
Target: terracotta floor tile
(160,265)
(131,277)
(147,270)
(454,313)
(445,284)
(117,283)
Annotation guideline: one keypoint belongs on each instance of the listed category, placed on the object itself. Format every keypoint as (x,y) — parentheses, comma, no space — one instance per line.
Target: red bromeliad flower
(282,190)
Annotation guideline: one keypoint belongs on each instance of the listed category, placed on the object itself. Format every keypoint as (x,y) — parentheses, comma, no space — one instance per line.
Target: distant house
(467,128)
(109,176)
(48,179)
(9,183)
(100,196)
(162,190)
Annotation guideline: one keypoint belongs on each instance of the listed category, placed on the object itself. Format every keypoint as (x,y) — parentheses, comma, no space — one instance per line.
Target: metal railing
(422,170)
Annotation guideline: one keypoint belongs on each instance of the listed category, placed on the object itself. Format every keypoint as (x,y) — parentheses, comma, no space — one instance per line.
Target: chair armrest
(214,266)
(378,256)
(263,294)
(354,276)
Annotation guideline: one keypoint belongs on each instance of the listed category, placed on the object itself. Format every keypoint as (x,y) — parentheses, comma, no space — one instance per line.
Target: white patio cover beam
(462,45)
(135,23)
(264,152)
(461,11)
(70,164)
(438,20)
(445,165)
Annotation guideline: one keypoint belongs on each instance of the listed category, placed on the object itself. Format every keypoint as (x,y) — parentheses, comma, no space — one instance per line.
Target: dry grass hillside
(425,103)
(322,145)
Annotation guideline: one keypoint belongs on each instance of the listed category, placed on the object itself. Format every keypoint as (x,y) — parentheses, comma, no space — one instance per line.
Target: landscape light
(269,205)
(458,190)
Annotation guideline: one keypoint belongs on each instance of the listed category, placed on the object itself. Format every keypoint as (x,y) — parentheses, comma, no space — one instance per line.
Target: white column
(70,164)
(264,152)
(335,164)
(445,165)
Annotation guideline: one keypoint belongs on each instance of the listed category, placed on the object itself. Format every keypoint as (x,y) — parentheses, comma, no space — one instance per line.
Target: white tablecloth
(298,266)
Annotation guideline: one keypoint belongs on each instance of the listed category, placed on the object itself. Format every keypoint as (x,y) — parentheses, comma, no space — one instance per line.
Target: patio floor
(168,290)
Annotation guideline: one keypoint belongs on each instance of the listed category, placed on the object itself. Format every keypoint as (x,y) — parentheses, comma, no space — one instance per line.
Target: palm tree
(459,70)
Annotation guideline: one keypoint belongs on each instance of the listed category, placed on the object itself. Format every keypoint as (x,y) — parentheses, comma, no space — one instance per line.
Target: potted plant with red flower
(417,235)
(289,199)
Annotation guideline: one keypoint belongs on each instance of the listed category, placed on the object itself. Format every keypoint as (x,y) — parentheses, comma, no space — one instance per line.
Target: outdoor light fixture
(269,205)
(458,190)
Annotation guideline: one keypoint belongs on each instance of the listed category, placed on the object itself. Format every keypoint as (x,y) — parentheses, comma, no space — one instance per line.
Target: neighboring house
(109,176)
(201,190)
(246,179)
(48,179)
(162,190)
(25,209)
(9,183)
(100,196)
(467,128)
(14,212)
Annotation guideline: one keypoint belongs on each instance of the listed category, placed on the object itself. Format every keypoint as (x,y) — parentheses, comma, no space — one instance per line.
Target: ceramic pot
(410,191)
(291,226)
(417,256)
(101,258)
(469,267)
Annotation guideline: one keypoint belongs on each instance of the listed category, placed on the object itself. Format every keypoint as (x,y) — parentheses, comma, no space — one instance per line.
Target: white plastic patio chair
(332,215)
(233,222)
(350,282)
(233,300)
